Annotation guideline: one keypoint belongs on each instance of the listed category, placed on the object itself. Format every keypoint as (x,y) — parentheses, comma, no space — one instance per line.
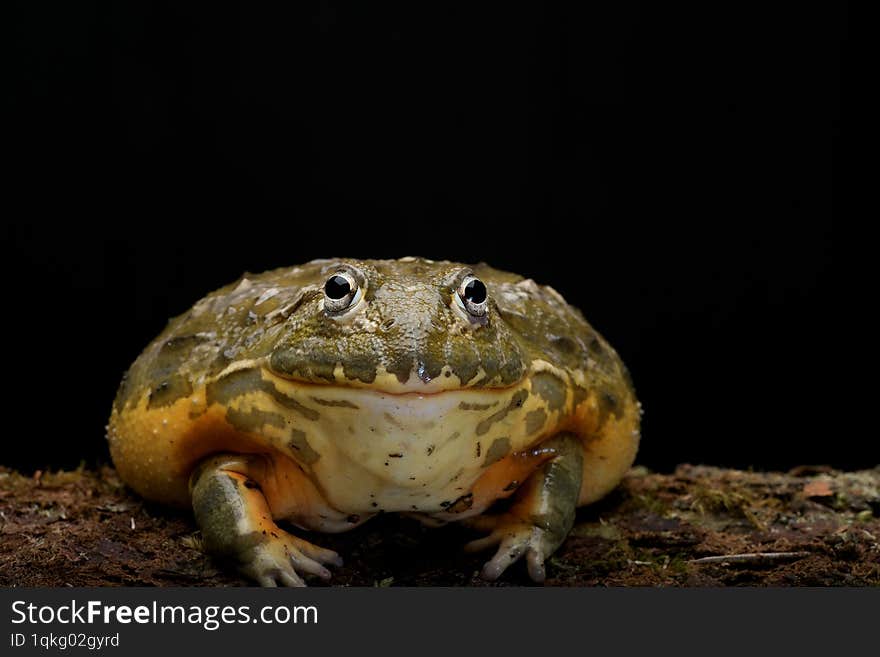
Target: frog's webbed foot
(540,517)
(236,524)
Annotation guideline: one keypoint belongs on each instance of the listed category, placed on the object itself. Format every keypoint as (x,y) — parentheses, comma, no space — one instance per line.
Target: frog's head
(409,325)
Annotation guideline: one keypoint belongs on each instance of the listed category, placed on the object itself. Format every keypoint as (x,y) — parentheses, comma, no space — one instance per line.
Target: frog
(321,395)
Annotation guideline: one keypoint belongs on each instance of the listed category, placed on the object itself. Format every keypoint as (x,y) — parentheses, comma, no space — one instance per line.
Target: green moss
(651,504)
(710,501)
(865,516)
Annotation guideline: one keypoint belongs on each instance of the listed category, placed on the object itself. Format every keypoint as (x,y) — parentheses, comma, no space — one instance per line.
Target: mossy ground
(84,528)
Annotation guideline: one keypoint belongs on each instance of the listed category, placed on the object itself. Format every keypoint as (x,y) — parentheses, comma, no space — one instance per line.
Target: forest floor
(699,526)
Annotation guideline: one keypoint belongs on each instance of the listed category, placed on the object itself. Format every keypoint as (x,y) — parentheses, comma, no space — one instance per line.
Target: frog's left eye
(473,295)
(341,291)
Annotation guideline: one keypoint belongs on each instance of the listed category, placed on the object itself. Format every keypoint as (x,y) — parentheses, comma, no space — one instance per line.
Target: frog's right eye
(341,291)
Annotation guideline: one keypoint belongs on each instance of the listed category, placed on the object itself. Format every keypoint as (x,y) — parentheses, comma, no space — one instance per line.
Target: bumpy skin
(260,404)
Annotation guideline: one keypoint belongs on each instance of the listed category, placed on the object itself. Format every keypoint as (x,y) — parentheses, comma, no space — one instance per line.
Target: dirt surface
(701,526)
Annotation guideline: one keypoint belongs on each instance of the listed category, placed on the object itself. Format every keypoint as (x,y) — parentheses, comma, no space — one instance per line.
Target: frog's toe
(316,553)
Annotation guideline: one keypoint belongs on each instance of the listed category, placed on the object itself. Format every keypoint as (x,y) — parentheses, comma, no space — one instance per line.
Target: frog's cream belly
(370,451)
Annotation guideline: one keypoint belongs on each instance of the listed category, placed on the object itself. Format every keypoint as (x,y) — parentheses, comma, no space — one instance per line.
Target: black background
(668,169)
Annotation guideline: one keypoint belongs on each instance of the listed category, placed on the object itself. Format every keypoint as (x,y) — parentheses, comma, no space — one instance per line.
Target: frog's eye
(473,295)
(340,292)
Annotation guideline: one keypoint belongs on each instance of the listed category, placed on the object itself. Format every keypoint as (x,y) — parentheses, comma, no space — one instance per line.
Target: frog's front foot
(541,515)
(237,525)
(515,538)
(280,558)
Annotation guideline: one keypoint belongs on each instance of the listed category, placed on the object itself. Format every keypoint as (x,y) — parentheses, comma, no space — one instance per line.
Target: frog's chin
(416,383)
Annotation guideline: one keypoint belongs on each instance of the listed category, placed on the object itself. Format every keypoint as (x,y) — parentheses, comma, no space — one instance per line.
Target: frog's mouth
(417,382)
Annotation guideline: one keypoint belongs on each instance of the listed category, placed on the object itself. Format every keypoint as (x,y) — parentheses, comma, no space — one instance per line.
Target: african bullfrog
(323,394)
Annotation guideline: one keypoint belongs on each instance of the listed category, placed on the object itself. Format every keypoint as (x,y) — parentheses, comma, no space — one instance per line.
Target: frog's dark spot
(390,419)
(303,450)
(360,366)
(374,504)
(497,451)
(551,388)
(254,420)
(431,360)
(463,503)
(564,345)
(447,374)
(602,353)
(535,420)
(173,353)
(311,364)
(234,384)
(388,323)
(401,366)
(513,485)
(251,484)
(169,391)
(336,403)
(462,358)
(290,402)
(467,406)
(479,449)
(396,456)
(430,450)
(515,402)
(242,382)
(456,475)
(500,358)
(607,404)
